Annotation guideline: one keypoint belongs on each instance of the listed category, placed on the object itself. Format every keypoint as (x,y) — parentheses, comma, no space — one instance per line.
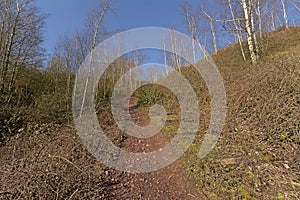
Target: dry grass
(261,137)
(51,166)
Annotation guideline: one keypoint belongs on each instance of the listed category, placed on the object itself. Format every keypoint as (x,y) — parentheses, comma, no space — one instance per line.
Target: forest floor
(56,165)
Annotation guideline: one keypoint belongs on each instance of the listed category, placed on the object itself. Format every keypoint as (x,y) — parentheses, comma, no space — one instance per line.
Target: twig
(65,159)
(73,194)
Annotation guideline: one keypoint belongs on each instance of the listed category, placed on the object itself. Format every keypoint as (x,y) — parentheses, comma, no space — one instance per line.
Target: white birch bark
(104,9)
(212,29)
(285,16)
(259,16)
(251,11)
(249,31)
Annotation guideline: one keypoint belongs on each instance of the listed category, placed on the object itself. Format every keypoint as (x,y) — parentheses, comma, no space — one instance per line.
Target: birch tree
(174,58)
(98,17)
(246,24)
(237,26)
(253,29)
(296,5)
(285,16)
(192,26)
(212,28)
(249,31)
(193,20)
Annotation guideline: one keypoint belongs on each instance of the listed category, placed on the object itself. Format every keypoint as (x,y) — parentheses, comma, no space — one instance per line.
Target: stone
(228,161)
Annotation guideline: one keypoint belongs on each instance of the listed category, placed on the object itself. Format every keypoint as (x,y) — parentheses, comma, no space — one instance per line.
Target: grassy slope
(257,155)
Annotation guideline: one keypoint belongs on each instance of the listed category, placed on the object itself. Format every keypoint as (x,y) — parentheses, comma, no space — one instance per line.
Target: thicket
(37,104)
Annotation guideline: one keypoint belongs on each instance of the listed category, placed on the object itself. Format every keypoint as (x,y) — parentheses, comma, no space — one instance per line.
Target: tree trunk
(285,16)
(273,22)
(249,32)
(191,27)
(7,54)
(176,58)
(213,32)
(98,21)
(238,33)
(256,46)
(258,12)
(165,60)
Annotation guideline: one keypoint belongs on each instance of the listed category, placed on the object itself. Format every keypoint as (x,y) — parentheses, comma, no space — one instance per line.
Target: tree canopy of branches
(21,28)
(244,20)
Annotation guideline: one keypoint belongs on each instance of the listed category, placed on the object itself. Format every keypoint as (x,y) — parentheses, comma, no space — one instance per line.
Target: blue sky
(65,16)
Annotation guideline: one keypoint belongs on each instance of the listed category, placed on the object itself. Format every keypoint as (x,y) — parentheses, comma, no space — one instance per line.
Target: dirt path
(56,165)
(168,183)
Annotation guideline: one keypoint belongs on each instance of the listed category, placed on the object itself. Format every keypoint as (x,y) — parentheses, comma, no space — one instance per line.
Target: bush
(149,95)
(38,101)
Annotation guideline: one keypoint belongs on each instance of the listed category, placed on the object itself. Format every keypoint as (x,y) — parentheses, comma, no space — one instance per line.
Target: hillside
(256,157)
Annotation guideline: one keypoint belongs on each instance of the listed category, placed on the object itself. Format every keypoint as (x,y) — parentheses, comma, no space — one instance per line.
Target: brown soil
(168,183)
(57,166)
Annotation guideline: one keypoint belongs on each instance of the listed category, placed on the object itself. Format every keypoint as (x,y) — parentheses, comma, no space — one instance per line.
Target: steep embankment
(257,155)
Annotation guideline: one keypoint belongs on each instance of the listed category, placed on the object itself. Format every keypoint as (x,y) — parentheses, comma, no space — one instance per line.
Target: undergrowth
(257,155)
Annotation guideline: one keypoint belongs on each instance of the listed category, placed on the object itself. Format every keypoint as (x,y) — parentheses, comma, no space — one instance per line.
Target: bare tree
(249,30)
(253,29)
(98,18)
(212,28)
(192,22)
(174,58)
(273,20)
(193,25)
(285,16)
(237,32)
(165,59)
(20,38)
(296,6)
(243,20)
